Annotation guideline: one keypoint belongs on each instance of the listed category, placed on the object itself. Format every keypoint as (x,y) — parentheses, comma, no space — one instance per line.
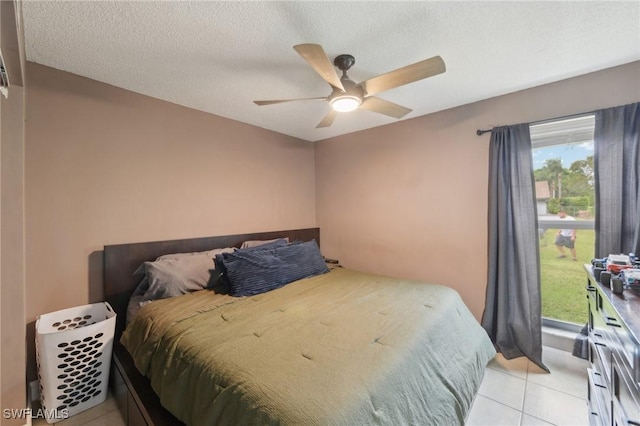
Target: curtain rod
(481,132)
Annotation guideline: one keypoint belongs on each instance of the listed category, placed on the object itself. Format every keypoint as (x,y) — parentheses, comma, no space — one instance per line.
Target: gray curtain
(617,185)
(617,180)
(512,316)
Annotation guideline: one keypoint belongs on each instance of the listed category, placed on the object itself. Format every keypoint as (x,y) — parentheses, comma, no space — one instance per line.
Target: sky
(567,152)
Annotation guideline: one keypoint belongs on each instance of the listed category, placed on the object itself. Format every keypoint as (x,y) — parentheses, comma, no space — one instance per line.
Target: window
(563,169)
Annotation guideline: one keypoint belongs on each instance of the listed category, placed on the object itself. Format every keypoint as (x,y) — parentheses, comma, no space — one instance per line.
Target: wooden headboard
(121,260)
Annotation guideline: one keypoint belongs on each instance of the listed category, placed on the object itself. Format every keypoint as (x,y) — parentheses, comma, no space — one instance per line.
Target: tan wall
(12,256)
(410,199)
(107,166)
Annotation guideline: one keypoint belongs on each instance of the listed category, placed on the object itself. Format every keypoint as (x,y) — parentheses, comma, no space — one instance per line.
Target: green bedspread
(343,348)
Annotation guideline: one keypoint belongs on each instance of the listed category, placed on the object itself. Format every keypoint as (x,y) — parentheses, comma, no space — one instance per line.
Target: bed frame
(137,402)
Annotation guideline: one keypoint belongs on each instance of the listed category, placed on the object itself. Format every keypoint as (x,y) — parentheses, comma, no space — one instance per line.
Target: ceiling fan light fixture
(345,103)
(348,96)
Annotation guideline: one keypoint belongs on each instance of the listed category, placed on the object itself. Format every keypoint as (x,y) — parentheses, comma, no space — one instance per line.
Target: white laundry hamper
(73,351)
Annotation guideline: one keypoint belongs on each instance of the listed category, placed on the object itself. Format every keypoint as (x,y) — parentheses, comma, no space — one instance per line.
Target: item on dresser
(611,266)
(626,279)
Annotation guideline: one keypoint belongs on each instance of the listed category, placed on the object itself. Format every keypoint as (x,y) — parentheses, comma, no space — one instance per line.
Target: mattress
(340,348)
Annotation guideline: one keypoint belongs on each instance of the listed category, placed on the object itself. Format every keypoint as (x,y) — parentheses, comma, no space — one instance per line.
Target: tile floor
(512,393)
(519,393)
(105,414)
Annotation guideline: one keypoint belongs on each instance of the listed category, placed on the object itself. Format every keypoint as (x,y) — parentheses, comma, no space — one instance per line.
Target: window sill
(559,337)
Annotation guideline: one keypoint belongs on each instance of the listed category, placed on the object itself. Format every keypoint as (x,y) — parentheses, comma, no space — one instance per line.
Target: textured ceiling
(220,56)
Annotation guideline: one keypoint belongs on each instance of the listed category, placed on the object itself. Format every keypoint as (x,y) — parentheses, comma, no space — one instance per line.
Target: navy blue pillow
(222,271)
(252,271)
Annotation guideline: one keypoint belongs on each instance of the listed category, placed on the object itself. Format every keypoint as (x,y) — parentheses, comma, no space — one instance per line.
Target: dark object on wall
(4,78)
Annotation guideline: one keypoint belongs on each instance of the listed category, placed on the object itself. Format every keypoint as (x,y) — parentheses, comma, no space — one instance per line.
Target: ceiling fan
(348,96)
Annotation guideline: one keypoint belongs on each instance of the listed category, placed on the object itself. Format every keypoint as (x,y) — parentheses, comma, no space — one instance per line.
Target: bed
(339,347)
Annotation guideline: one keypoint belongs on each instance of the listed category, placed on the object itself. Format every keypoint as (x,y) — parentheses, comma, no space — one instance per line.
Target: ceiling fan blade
(279,101)
(405,75)
(328,119)
(384,107)
(315,56)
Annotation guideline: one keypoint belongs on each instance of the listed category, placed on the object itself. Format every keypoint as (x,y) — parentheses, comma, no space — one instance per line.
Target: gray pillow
(177,274)
(211,253)
(256,243)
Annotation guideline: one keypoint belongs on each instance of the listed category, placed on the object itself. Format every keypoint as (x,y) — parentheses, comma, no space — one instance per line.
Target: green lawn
(563,280)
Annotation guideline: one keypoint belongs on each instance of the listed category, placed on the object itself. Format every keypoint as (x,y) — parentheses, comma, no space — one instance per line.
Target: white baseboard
(558,339)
